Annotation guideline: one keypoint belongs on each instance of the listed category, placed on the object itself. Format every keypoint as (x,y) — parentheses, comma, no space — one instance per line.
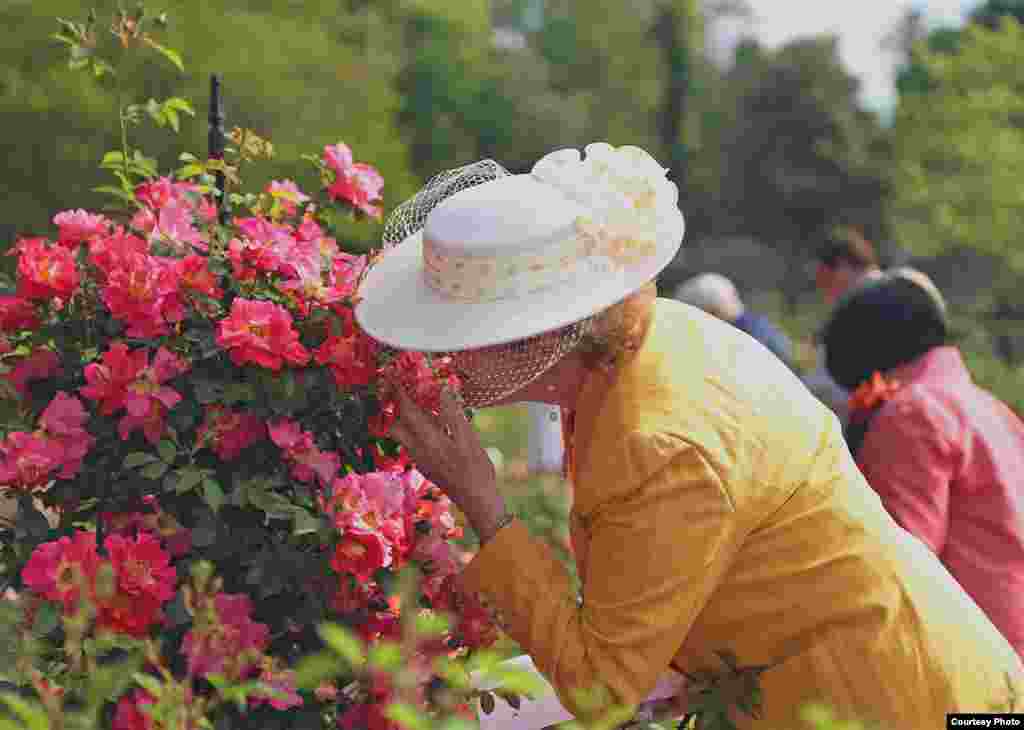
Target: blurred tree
(679,35)
(990,12)
(960,160)
(305,74)
(800,154)
(912,77)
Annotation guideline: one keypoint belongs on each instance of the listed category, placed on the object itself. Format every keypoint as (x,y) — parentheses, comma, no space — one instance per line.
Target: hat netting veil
(488,374)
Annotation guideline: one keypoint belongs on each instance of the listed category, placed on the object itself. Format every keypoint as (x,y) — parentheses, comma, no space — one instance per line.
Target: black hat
(887,323)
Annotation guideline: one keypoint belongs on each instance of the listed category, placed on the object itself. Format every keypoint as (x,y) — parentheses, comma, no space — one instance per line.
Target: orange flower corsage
(869,395)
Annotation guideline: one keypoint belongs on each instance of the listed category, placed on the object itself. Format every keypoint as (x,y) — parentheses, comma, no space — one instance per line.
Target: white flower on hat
(625,189)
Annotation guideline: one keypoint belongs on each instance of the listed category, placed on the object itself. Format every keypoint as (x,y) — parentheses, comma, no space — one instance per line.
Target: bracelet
(505,521)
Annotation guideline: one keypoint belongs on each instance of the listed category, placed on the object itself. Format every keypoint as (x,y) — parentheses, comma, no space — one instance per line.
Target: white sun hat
(520,255)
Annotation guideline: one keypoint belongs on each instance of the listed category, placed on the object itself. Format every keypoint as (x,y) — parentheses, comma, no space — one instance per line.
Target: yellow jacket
(716,507)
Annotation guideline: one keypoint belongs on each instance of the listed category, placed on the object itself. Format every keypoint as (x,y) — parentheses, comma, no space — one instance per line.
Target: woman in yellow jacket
(716,508)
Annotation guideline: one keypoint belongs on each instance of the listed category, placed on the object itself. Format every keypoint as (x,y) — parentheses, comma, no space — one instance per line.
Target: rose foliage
(195,392)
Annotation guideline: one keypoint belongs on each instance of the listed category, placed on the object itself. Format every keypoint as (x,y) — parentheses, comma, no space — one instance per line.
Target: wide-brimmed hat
(518,255)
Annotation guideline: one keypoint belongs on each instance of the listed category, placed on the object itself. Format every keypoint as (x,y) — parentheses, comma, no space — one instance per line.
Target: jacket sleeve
(909,460)
(656,551)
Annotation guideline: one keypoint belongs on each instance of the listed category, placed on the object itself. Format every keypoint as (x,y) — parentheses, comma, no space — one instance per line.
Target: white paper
(545,709)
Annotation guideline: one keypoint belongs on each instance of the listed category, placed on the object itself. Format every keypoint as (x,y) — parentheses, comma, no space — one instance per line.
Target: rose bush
(193,392)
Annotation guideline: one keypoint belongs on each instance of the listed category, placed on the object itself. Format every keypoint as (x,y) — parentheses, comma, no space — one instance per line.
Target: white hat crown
(571,216)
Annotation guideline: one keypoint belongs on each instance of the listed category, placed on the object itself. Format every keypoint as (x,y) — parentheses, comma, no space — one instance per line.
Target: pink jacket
(947,459)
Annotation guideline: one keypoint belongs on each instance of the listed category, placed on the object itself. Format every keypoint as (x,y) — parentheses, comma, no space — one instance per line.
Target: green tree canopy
(960,149)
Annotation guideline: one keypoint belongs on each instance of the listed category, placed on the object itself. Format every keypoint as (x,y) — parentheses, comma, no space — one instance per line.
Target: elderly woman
(717,295)
(945,456)
(716,508)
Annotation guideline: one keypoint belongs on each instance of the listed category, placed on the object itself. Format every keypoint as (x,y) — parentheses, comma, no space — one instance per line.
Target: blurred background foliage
(770,147)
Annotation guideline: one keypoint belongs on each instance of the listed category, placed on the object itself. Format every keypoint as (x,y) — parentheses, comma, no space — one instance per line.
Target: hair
(885,324)
(617,333)
(713,293)
(848,245)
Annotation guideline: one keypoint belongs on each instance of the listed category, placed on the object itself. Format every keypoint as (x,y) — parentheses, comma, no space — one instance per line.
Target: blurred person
(945,456)
(717,295)
(846,261)
(716,507)
(544,443)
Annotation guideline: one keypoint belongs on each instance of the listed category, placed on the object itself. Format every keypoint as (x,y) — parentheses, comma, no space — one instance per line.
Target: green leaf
(305,523)
(46,620)
(182,105)
(345,643)
(189,478)
(168,451)
(64,39)
(239,393)
(149,683)
(431,624)
(517,681)
(316,668)
(172,119)
(101,68)
(168,53)
(213,495)
(190,170)
(386,655)
(154,471)
(112,159)
(409,717)
(31,714)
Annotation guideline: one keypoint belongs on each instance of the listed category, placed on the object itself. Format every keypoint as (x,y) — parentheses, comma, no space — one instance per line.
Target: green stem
(124,130)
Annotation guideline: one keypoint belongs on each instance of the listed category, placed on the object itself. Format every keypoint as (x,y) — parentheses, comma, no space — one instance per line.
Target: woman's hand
(448,452)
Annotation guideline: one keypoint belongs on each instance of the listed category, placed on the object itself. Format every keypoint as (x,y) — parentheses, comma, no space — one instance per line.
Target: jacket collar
(940,363)
(597,388)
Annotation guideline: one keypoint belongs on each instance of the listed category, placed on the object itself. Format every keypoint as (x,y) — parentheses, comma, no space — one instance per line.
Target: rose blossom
(299,448)
(46,272)
(40,365)
(261,333)
(27,460)
(17,314)
(57,569)
(78,226)
(360,553)
(229,432)
(354,182)
(288,194)
(124,379)
(229,642)
(63,421)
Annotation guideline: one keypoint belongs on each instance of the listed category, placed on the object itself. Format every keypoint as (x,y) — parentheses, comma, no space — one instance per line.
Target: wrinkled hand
(447,450)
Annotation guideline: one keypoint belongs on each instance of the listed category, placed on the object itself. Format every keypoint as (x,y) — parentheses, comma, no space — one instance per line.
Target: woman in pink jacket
(945,456)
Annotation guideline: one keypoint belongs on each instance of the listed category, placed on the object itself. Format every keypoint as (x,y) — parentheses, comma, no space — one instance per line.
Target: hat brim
(400,309)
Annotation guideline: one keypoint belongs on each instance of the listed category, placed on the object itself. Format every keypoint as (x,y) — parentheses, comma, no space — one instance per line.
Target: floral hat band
(621,195)
(487,278)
